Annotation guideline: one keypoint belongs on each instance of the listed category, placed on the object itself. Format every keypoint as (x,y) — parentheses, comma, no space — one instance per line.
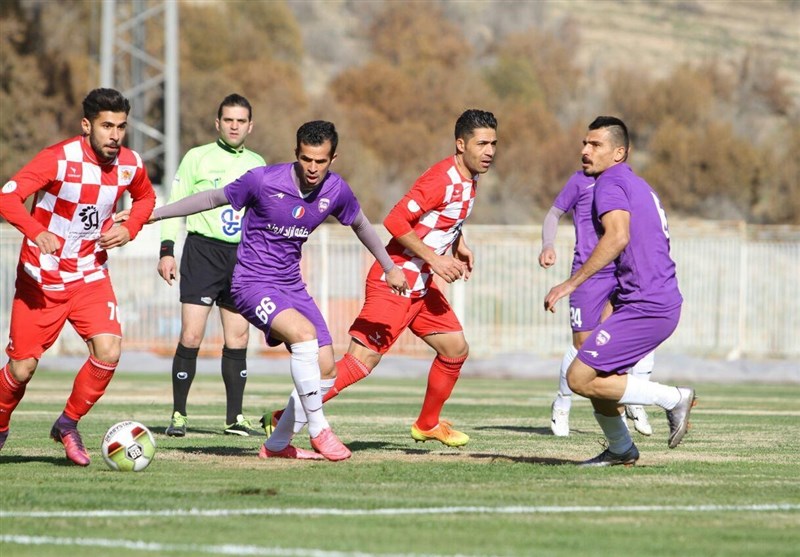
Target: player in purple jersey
(285,203)
(589,304)
(633,233)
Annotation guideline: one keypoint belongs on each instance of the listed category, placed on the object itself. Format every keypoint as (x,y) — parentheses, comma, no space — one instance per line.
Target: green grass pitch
(731,488)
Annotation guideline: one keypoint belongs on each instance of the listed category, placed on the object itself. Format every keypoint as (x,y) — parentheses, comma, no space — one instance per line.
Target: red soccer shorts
(386,315)
(38,316)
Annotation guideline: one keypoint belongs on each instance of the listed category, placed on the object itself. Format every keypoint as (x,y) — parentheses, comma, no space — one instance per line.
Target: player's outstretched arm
(365,232)
(197,203)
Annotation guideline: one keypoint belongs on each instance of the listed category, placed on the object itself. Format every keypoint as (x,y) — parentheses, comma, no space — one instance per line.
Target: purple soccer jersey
(645,270)
(276,224)
(279,220)
(647,304)
(577,196)
(586,303)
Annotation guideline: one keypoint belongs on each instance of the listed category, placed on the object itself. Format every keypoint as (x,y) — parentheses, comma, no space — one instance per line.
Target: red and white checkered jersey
(435,208)
(75,198)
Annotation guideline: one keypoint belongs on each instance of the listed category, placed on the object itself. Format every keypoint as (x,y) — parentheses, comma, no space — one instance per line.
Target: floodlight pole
(144,77)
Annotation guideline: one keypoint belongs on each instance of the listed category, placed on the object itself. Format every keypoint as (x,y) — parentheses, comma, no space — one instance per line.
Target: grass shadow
(23,459)
(219,450)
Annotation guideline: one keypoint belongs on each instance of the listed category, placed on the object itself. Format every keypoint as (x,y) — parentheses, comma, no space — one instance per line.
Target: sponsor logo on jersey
(603,337)
(9,186)
(298,212)
(72,172)
(413,206)
(90,217)
(278,195)
(323,204)
(231,222)
(289,231)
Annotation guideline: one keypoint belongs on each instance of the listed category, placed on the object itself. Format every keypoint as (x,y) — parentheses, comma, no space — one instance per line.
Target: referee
(209,255)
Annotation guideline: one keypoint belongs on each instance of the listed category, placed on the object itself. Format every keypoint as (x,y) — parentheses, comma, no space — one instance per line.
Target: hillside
(653,36)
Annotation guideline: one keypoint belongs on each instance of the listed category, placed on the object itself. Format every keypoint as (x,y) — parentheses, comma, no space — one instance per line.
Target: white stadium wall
(741,286)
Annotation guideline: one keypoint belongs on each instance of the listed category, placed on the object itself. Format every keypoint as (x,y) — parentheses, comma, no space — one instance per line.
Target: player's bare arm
(462,252)
(446,266)
(616,225)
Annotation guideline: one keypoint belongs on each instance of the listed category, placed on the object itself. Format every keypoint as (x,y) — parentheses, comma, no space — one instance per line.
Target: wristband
(167,249)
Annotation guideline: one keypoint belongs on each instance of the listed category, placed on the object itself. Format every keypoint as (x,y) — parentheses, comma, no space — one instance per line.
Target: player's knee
(457,351)
(580,382)
(575,385)
(365,357)
(22,370)
(106,348)
(304,333)
(108,354)
(190,340)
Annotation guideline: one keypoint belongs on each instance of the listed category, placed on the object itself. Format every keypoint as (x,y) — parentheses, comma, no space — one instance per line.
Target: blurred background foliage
(715,127)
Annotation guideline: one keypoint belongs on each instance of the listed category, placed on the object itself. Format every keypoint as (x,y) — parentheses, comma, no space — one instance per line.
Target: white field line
(225,549)
(212,513)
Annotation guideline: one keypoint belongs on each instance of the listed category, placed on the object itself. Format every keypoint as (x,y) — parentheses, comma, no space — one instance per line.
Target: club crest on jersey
(323,204)
(126,174)
(231,222)
(602,338)
(298,212)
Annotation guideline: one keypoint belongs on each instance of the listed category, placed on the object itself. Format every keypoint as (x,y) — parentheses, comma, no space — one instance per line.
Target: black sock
(234,375)
(184,367)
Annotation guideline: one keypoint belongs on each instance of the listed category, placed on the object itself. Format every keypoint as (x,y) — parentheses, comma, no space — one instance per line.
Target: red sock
(349,370)
(89,386)
(11,392)
(442,378)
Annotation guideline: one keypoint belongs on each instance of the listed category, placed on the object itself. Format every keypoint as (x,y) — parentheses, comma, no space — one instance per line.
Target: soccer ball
(128,446)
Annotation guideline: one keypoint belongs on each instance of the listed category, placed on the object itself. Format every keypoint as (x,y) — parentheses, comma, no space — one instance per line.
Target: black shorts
(206,271)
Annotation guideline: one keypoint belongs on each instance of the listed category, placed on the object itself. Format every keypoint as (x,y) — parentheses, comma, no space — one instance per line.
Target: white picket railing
(741,286)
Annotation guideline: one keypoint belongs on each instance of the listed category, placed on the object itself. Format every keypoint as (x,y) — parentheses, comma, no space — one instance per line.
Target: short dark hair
(317,133)
(617,129)
(101,100)
(472,119)
(235,100)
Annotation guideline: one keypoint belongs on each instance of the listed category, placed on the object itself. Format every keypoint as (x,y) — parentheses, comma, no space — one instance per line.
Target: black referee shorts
(206,270)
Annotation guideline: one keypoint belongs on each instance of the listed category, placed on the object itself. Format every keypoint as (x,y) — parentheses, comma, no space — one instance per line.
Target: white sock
(564,398)
(304,364)
(300,419)
(639,391)
(283,432)
(644,367)
(616,432)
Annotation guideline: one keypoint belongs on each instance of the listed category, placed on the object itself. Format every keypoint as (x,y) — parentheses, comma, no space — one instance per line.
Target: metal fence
(741,286)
